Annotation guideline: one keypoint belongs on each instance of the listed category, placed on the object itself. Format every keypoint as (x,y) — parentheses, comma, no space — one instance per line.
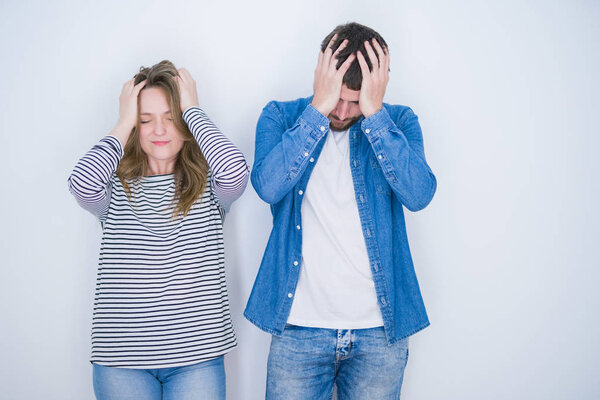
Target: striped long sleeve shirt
(161,296)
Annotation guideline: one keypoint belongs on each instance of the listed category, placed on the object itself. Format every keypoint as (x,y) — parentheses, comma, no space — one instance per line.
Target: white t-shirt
(335,288)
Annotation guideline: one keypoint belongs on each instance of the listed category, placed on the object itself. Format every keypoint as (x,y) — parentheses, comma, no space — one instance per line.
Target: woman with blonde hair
(160,184)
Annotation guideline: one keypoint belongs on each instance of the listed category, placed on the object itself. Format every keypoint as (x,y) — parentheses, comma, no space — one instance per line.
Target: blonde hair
(191,168)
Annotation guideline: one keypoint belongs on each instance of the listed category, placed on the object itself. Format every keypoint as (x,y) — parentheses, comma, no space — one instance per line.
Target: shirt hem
(336,325)
(163,365)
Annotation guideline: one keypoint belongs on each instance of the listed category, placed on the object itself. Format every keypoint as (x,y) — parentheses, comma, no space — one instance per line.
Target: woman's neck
(160,167)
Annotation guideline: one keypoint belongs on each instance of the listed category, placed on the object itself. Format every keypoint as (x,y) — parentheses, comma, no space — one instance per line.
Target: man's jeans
(305,363)
(204,380)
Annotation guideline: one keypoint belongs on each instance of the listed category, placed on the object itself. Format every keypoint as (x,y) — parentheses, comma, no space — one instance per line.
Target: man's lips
(160,143)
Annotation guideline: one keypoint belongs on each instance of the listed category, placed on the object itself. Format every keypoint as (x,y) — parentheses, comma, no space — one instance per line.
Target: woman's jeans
(305,363)
(204,380)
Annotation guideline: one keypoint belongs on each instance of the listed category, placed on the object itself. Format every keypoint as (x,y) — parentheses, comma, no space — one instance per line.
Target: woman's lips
(160,143)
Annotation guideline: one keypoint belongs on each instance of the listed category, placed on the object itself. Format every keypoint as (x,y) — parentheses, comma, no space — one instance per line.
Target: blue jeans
(304,363)
(204,380)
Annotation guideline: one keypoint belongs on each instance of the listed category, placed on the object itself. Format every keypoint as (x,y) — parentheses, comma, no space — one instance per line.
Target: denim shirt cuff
(313,119)
(376,124)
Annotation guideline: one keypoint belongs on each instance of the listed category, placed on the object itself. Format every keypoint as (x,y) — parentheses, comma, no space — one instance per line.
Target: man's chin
(341,126)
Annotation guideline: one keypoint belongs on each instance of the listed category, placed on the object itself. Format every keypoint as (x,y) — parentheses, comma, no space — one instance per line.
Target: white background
(507,252)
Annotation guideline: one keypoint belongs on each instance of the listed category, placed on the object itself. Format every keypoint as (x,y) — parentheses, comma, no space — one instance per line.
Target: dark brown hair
(356,34)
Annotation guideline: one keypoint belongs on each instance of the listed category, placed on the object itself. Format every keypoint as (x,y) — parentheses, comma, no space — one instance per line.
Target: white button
(322,128)
(367,131)
(305,154)
(380,156)
(298,227)
(290,295)
(300,192)
(296,263)
(311,159)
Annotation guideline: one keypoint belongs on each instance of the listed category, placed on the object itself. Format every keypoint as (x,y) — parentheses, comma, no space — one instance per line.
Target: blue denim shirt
(389,172)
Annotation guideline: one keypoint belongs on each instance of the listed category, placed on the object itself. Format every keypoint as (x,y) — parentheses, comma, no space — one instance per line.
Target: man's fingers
(344,67)
(387,61)
(372,56)
(329,50)
(332,41)
(382,55)
(334,60)
(320,60)
(364,67)
(341,47)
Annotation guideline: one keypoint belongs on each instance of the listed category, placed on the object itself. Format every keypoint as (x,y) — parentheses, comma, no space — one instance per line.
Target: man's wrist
(321,108)
(372,111)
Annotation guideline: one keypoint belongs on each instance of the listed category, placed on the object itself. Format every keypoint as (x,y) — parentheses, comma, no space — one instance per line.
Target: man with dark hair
(336,287)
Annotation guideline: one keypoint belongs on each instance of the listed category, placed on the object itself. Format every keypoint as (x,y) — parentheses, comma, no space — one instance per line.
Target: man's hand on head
(328,79)
(375,81)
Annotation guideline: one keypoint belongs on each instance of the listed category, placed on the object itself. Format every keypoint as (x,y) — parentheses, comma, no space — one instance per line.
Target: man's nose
(342,109)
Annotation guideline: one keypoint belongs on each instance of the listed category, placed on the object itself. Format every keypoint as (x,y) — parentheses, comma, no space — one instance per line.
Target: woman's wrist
(122,131)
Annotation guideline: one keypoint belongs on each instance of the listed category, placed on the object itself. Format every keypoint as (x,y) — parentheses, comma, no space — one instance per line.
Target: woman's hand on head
(128,110)
(128,103)
(188,94)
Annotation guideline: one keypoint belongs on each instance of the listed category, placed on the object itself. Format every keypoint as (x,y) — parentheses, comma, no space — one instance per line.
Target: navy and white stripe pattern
(161,297)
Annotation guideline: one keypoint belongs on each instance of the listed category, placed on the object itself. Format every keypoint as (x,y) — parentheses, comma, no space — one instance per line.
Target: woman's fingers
(137,88)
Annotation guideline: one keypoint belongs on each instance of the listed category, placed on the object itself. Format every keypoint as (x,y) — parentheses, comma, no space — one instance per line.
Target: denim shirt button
(367,131)
(312,159)
(322,128)
(380,156)
(306,154)
(298,227)
(290,295)
(295,263)
(300,192)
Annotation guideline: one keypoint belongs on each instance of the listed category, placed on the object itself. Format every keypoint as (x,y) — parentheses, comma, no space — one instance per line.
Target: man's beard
(343,125)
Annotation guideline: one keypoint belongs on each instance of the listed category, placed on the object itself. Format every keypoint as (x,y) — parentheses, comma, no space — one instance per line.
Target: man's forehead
(349,94)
